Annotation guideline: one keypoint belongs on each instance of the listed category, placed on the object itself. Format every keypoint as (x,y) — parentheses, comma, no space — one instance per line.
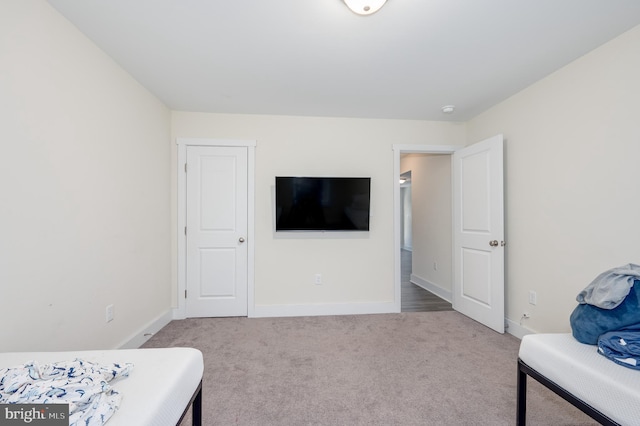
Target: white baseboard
(178,314)
(515,329)
(262,311)
(431,287)
(267,311)
(139,338)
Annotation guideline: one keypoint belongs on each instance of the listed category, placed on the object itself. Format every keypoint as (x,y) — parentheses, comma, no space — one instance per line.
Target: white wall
(84,180)
(432,227)
(572,179)
(356,269)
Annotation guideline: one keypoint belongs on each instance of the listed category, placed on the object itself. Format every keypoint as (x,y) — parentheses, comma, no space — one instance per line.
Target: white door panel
(217,279)
(476,277)
(216,264)
(216,190)
(475,193)
(478,287)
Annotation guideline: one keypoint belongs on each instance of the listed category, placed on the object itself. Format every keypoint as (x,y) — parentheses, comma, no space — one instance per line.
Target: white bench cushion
(578,368)
(156,392)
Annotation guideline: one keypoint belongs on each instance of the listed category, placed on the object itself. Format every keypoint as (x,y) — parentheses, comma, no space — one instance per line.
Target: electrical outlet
(109,313)
(533,297)
(317,279)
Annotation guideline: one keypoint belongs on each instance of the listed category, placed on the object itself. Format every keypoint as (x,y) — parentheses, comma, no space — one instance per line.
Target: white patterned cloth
(81,384)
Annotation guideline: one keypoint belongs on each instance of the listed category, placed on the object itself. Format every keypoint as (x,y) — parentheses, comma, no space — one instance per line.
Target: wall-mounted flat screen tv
(322,203)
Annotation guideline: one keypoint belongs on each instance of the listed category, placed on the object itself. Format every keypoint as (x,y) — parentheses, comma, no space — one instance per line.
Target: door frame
(183,143)
(399,149)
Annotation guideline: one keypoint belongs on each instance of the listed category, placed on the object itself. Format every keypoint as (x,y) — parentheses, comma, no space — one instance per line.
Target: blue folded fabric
(588,322)
(622,346)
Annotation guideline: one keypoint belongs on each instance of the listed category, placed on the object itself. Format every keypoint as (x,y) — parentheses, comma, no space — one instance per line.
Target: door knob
(493,243)
(241,239)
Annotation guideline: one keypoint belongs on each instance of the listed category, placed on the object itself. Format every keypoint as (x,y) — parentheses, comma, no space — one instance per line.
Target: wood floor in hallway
(414,298)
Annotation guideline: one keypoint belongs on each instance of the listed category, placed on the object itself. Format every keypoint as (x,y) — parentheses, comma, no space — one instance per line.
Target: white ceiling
(316,58)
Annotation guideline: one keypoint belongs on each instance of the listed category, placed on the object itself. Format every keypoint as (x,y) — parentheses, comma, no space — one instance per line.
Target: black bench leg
(521,408)
(196,412)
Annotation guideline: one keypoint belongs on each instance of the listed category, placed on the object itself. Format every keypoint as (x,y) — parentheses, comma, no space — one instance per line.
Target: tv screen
(322,203)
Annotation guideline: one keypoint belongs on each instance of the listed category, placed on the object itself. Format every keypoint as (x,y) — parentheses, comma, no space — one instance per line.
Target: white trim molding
(146,332)
(516,329)
(323,309)
(181,311)
(431,287)
(214,142)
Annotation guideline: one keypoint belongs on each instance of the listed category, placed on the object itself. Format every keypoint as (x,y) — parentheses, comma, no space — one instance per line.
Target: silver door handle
(241,239)
(493,243)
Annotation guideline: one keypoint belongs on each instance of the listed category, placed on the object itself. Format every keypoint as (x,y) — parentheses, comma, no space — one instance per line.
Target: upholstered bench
(162,386)
(604,390)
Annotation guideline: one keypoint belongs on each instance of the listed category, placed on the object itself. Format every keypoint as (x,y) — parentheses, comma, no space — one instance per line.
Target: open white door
(478,232)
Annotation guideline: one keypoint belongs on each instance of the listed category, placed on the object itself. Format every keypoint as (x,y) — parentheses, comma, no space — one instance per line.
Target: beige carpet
(418,368)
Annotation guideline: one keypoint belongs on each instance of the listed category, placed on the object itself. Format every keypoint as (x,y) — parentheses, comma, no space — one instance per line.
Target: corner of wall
(146,332)
(515,329)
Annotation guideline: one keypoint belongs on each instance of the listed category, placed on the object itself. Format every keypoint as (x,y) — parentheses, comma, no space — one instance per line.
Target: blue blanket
(622,347)
(588,322)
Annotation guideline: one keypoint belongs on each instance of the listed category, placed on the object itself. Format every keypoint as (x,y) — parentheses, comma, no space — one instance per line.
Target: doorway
(477,228)
(425,193)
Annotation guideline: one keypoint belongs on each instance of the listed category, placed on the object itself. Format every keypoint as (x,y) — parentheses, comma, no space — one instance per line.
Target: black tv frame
(312,212)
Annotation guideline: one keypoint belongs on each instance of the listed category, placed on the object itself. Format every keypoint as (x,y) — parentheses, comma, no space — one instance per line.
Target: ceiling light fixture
(448,109)
(364,7)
